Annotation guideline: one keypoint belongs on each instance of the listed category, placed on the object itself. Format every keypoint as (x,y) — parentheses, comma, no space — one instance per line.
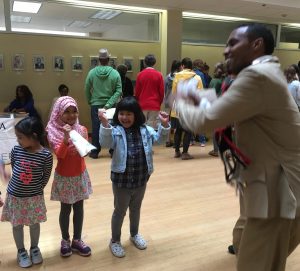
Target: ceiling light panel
(20,19)
(106,14)
(43,31)
(80,24)
(29,7)
(212,17)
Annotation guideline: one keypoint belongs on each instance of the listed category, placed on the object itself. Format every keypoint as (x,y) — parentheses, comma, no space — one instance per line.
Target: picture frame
(38,63)
(76,63)
(1,62)
(94,61)
(128,61)
(113,62)
(58,63)
(18,62)
(142,63)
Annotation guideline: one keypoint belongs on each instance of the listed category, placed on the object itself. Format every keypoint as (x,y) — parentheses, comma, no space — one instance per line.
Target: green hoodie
(103,86)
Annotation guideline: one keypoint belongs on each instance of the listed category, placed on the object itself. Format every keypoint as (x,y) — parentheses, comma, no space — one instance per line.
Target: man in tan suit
(267,127)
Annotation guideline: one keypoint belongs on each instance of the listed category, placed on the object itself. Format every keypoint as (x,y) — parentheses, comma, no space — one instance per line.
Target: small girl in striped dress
(24,204)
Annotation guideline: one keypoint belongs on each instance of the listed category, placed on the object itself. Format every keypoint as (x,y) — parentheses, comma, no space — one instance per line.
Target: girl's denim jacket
(115,138)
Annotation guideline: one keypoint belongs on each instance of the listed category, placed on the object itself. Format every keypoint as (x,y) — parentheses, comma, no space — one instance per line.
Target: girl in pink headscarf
(71,183)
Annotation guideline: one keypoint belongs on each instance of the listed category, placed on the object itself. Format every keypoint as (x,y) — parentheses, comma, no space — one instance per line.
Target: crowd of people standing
(254,98)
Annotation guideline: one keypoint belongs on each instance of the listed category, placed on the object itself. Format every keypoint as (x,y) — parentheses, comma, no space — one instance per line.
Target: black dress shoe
(93,155)
(169,144)
(231,250)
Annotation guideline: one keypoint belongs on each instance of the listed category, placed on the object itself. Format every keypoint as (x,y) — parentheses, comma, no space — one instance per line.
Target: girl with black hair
(24,204)
(131,166)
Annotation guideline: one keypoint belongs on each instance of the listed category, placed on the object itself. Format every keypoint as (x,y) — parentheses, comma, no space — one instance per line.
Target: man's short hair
(187,63)
(150,60)
(255,31)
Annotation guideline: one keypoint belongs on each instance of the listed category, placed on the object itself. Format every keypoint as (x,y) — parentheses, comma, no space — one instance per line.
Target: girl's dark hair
(25,89)
(176,64)
(32,127)
(130,104)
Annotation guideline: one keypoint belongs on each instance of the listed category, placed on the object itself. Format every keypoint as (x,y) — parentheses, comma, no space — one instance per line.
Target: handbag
(231,156)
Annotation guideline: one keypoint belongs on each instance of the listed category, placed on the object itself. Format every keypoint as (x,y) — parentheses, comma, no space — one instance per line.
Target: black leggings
(64,219)
(177,138)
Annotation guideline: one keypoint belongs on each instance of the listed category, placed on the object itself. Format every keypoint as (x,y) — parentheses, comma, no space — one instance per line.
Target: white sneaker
(23,259)
(36,256)
(139,241)
(117,249)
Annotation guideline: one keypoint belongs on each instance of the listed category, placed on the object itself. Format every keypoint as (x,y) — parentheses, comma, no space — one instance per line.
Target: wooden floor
(187,218)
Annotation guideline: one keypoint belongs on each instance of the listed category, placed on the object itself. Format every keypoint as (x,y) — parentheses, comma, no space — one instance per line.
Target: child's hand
(103,118)
(1,202)
(164,118)
(67,129)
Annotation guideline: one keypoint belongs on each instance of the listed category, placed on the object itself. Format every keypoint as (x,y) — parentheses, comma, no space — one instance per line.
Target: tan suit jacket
(267,125)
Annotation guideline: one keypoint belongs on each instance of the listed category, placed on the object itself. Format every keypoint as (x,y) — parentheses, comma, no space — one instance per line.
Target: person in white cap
(103,88)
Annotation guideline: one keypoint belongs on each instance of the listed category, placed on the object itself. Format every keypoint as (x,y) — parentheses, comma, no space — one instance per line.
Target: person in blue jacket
(131,166)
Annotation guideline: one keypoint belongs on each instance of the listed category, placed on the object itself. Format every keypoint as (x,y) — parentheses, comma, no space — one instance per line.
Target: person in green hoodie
(103,88)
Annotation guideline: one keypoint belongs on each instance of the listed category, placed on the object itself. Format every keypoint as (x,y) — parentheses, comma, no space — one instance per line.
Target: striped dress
(24,202)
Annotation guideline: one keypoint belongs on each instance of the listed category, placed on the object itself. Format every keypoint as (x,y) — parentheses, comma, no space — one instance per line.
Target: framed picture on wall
(38,63)
(18,62)
(142,64)
(94,61)
(58,63)
(1,62)
(113,62)
(76,63)
(128,61)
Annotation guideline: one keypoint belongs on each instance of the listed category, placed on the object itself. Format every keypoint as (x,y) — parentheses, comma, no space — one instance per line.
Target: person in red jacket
(149,91)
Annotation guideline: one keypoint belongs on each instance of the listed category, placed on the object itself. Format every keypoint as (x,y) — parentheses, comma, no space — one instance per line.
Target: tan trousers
(237,233)
(266,243)
(151,118)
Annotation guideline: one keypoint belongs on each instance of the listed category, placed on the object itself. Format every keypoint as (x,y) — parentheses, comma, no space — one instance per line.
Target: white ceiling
(57,15)
(275,11)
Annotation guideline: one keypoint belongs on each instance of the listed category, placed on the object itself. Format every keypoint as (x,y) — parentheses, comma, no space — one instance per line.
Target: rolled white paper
(81,144)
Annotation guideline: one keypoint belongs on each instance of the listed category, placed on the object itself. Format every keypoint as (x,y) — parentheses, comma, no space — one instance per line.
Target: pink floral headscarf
(55,125)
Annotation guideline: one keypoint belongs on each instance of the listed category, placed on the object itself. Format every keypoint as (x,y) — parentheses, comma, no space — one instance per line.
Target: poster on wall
(93,61)
(113,62)
(58,63)
(1,62)
(8,137)
(18,62)
(76,63)
(38,63)
(128,61)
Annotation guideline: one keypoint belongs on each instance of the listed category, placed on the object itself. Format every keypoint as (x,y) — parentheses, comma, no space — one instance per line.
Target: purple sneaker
(65,248)
(80,247)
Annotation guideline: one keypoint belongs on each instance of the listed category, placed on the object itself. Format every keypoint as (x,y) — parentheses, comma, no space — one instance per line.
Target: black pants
(64,219)
(177,138)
